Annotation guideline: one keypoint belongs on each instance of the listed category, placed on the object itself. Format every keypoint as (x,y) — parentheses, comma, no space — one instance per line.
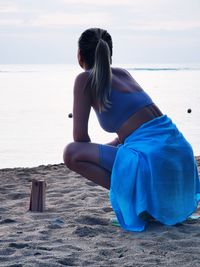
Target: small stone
(37,254)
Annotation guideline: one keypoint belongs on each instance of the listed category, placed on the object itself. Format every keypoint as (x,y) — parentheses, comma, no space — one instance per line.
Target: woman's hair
(95,46)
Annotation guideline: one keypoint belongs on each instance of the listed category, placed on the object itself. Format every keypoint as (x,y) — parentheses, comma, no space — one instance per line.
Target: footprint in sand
(16,265)
(92,220)
(5,221)
(86,231)
(7,251)
(18,245)
(107,209)
(15,196)
(68,262)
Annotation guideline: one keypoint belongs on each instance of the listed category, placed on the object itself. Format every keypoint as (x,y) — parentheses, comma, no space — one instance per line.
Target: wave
(160,69)
(57,68)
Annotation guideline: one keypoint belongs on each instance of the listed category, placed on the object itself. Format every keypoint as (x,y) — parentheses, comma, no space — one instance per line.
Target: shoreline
(60,164)
(75,228)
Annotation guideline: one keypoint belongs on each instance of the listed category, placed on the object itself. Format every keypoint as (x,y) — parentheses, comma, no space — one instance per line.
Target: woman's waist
(140,117)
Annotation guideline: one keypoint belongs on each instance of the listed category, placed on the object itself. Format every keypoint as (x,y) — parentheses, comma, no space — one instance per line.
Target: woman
(150,167)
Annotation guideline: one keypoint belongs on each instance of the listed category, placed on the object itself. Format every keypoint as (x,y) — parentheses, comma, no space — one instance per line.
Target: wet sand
(75,229)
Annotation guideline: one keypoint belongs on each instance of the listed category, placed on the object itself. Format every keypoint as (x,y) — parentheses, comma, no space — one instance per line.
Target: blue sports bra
(124,104)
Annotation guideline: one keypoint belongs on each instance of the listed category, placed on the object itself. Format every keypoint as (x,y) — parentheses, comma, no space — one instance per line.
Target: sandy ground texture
(75,229)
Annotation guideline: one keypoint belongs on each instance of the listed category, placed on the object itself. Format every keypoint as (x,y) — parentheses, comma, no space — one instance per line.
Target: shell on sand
(75,230)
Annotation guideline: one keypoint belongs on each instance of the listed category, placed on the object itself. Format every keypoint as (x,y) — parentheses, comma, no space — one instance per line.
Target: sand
(75,229)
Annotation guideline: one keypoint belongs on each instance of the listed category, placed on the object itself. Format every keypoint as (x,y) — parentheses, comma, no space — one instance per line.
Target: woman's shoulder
(82,77)
(81,81)
(123,79)
(120,71)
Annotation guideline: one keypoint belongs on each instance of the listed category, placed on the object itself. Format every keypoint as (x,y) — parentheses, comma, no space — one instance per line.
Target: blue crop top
(124,104)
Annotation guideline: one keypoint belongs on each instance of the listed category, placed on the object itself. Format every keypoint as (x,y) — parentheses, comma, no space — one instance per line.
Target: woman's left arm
(81,109)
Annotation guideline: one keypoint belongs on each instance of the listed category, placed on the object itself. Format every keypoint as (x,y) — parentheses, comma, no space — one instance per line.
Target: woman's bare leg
(83,158)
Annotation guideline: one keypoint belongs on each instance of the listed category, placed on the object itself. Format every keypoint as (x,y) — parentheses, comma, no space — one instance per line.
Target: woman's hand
(115,142)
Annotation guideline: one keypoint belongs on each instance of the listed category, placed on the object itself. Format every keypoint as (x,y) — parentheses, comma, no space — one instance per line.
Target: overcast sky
(143,31)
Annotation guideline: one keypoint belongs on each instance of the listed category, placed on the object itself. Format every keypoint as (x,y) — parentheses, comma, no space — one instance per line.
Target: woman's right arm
(81,109)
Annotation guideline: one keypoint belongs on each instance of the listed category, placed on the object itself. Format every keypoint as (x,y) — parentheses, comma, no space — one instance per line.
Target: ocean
(35,101)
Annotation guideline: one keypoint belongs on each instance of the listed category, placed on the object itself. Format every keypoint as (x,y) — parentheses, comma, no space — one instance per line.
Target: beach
(75,228)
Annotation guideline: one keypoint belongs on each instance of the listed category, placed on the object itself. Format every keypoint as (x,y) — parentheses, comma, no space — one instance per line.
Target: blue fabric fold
(155,172)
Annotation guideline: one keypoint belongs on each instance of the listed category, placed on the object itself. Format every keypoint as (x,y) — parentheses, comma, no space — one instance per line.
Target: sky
(143,31)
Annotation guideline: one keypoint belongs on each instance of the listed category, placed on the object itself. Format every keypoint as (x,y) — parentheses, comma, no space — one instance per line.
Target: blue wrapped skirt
(155,172)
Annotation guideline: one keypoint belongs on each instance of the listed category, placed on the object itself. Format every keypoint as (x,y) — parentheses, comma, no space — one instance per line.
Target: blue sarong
(155,172)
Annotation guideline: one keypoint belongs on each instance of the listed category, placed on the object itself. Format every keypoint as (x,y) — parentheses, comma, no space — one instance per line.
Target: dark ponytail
(101,75)
(95,46)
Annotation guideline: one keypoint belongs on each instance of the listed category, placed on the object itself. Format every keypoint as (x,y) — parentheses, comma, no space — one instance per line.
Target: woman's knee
(69,154)
(76,152)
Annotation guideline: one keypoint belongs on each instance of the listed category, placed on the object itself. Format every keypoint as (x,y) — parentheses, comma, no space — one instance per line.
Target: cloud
(63,19)
(11,22)
(8,8)
(133,23)
(167,25)
(99,2)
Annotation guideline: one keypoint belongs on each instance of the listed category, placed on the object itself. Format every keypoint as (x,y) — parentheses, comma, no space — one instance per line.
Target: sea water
(35,101)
